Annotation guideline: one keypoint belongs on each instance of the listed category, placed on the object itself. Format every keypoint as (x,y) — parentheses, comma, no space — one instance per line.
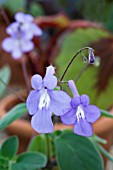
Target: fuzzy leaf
(12,115)
(77,152)
(9,147)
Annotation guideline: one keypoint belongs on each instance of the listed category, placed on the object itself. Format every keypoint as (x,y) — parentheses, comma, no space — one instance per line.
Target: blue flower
(44,100)
(21,33)
(81,114)
(27,25)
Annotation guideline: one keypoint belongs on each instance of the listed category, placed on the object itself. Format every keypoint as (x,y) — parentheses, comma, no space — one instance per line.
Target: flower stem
(48,147)
(72,61)
(25,74)
(6,19)
(81,72)
(12,90)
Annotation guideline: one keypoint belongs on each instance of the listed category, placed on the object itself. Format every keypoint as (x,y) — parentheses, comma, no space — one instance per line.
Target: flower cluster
(44,101)
(21,33)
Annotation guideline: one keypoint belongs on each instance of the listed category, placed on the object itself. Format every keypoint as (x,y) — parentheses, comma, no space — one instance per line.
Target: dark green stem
(48,147)
(72,61)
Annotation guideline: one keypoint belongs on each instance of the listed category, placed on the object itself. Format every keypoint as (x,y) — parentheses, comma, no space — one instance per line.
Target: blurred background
(68,25)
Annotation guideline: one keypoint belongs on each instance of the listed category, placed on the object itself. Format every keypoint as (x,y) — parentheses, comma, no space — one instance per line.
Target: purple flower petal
(12,28)
(29,18)
(60,102)
(26,46)
(42,122)
(73,88)
(8,44)
(16,53)
(91,56)
(83,128)
(50,82)
(36,82)
(92,113)
(35,30)
(22,18)
(75,102)
(30,30)
(50,70)
(26,33)
(69,118)
(33,102)
(85,100)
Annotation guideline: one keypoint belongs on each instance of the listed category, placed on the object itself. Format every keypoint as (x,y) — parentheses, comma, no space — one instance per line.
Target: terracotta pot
(22,128)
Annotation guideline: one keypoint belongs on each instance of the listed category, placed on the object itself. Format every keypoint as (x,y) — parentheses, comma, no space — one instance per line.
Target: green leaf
(77,152)
(36,9)
(9,147)
(29,161)
(103,151)
(5,74)
(12,115)
(106,113)
(38,143)
(14,6)
(4,163)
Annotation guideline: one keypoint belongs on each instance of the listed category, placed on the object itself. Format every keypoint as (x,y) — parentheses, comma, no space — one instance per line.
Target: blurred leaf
(70,45)
(29,161)
(101,5)
(106,114)
(9,147)
(76,152)
(36,9)
(3,1)
(5,74)
(15,6)
(38,143)
(15,113)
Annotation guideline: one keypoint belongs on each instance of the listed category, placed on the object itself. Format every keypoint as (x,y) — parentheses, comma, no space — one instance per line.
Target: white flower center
(80,113)
(44,99)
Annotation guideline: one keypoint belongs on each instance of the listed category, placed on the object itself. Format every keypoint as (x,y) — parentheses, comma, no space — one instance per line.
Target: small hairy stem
(63,82)
(12,90)
(25,74)
(72,61)
(81,72)
(6,19)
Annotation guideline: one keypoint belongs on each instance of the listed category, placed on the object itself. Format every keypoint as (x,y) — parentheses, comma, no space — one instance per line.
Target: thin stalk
(25,75)
(6,19)
(81,72)
(72,61)
(12,90)
(48,147)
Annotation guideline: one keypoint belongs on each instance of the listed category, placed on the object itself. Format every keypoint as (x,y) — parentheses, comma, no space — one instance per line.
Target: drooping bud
(91,56)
